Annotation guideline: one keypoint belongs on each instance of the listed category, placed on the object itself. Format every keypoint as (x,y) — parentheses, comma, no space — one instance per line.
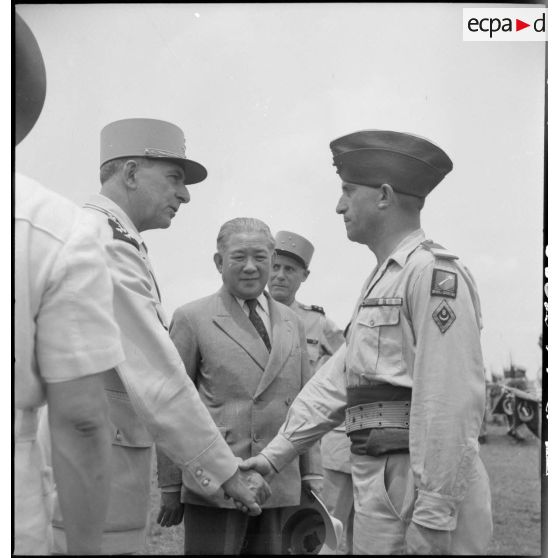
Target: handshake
(247,487)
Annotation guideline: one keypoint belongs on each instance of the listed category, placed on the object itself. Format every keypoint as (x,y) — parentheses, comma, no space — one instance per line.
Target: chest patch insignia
(444,283)
(120,233)
(444,316)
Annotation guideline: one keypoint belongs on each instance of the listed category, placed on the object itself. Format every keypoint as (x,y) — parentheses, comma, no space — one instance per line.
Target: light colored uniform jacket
(247,390)
(151,398)
(63,330)
(416,324)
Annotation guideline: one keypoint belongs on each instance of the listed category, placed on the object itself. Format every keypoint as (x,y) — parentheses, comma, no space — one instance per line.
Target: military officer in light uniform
(144,173)
(410,380)
(65,336)
(291,267)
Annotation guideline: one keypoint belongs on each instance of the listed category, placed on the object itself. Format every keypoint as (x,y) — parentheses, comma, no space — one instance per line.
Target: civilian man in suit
(247,355)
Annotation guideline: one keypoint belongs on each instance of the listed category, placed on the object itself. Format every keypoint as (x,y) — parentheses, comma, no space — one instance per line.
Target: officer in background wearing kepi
(410,379)
(290,269)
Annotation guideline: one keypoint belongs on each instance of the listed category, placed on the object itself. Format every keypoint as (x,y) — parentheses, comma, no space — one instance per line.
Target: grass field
(513,469)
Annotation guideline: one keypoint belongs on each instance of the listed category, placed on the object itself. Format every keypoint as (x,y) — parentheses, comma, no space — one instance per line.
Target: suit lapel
(235,323)
(283,332)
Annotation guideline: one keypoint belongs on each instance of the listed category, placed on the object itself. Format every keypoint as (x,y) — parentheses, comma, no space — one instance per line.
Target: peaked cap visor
(410,164)
(150,138)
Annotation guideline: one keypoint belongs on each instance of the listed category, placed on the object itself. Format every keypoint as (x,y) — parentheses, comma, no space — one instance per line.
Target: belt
(380,414)
(26,424)
(377,419)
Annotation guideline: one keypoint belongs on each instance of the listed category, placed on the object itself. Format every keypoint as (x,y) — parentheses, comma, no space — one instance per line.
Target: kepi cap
(409,164)
(295,246)
(30,79)
(151,138)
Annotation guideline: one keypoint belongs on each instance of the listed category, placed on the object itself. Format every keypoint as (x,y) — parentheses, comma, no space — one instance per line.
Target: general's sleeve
(77,334)
(317,409)
(183,335)
(161,392)
(447,397)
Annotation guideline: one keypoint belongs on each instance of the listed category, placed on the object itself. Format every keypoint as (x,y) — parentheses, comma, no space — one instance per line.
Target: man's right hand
(248,490)
(261,464)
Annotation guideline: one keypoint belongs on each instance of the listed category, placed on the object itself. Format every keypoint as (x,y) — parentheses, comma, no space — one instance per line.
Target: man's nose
(250,265)
(183,194)
(341,206)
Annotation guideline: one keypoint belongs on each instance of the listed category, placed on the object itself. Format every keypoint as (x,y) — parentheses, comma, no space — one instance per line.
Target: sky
(260,90)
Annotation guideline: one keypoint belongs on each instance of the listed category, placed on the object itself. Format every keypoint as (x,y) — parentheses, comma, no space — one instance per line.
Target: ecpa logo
(504,24)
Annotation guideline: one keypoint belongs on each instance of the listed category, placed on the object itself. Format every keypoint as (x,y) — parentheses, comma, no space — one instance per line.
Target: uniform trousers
(211,530)
(385,495)
(337,495)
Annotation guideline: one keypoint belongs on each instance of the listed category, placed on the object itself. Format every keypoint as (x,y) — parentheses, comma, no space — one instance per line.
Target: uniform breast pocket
(380,334)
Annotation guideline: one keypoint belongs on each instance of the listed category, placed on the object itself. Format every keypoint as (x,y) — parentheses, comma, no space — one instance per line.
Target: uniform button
(118,436)
(205,482)
(199,472)
(254,438)
(288,401)
(372,322)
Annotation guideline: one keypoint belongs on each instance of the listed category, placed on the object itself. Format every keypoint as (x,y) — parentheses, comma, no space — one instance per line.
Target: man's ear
(218,259)
(129,173)
(385,199)
(305,274)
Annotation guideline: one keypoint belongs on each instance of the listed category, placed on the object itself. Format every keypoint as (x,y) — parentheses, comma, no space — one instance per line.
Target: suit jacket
(247,390)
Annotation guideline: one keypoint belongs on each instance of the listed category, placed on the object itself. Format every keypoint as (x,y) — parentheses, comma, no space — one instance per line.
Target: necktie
(257,322)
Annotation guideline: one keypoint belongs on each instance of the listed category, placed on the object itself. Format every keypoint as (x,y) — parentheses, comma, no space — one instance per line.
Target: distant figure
(247,356)
(64,336)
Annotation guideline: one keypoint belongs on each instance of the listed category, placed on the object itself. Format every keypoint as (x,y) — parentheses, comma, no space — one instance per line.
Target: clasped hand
(247,488)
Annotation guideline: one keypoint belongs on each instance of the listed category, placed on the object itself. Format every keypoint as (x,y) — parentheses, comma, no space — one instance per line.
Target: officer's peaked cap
(410,164)
(295,246)
(151,138)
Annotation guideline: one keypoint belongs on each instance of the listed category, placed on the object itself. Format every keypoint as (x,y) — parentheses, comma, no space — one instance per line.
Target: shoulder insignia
(120,233)
(311,341)
(438,251)
(444,316)
(317,309)
(444,283)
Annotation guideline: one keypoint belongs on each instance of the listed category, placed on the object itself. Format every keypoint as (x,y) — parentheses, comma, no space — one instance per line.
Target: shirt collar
(406,246)
(106,203)
(262,301)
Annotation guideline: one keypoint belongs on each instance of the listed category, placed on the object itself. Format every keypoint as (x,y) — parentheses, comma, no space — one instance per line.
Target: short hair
(409,202)
(112,167)
(243,225)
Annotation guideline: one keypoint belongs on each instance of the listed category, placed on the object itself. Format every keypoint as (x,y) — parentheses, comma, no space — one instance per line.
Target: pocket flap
(127,428)
(375,316)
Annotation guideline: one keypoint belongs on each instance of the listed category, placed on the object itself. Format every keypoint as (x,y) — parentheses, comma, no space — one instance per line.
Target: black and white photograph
(279,278)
